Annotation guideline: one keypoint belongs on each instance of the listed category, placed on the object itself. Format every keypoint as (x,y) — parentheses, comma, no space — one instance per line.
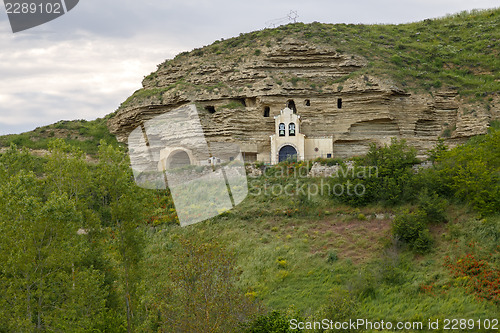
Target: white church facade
(289,143)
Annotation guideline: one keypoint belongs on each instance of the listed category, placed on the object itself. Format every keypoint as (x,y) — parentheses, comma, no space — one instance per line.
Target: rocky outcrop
(237,97)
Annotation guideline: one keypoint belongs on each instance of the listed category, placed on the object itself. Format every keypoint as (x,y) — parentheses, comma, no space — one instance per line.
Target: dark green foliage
(129,267)
(470,172)
(332,257)
(329,161)
(436,152)
(46,285)
(273,322)
(423,243)
(411,229)
(432,206)
(385,174)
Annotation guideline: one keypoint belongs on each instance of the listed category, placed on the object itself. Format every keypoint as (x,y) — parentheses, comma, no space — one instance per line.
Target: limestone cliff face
(238,96)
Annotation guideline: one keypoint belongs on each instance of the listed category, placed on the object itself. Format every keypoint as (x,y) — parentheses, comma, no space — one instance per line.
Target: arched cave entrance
(178,159)
(291,105)
(287,152)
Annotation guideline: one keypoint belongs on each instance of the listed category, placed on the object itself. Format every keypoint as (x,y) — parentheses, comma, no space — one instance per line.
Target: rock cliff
(239,93)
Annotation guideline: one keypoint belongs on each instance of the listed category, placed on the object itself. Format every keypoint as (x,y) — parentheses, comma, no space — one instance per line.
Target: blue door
(287,152)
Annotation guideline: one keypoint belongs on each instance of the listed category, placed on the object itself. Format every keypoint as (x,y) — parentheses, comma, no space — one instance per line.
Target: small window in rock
(291,105)
(282,129)
(328,155)
(210,108)
(267,111)
(339,103)
(231,158)
(307,102)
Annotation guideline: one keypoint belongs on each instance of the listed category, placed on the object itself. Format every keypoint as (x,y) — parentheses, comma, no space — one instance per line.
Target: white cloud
(43,82)
(84,64)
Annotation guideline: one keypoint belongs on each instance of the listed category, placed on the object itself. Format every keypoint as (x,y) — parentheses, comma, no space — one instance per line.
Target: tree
(471,172)
(203,296)
(124,208)
(384,175)
(40,255)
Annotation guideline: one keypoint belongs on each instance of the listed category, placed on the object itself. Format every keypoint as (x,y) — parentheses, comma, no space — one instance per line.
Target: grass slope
(298,259)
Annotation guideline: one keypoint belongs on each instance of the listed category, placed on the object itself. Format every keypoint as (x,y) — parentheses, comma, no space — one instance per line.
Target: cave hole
(210,108)
(307,102)
(291,105)
(267,111)
(339,103)
(243,102)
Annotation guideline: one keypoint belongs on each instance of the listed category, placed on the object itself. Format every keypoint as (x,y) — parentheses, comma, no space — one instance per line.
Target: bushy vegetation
(85,250)
(470,172)
(86,135)
(72,254)
(384,175)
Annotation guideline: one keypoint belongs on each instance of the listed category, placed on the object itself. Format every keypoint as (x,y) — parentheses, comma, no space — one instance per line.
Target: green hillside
(83,134)
(84,249)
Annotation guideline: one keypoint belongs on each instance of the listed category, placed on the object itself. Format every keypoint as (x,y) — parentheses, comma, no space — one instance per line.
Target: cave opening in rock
(307,102)
(243,102)
(267,111)
(210,108)
(291,105)
(339,103)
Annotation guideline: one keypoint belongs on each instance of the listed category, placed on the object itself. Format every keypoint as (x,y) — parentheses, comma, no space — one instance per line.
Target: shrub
(438,150)
(423,242)
(364,285)
(411,228)
(432,206)
(479,276)
(340,307)
(273,322)
(470,172)
(332,257)
(385,174)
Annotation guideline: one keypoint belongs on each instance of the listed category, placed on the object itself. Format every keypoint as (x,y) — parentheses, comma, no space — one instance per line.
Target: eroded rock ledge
(238,96)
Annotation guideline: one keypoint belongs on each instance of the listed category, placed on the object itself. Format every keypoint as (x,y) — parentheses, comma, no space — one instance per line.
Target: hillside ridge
(418,81)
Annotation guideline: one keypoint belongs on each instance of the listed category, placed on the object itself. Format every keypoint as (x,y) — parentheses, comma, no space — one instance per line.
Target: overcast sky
(85,63)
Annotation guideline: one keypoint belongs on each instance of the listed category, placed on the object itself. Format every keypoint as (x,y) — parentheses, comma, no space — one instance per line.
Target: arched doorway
(178,159)
(287,152)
